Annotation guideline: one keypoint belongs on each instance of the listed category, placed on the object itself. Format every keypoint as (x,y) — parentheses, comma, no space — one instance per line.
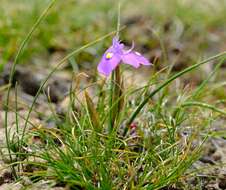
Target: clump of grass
(132,139)
(154,154)
(83,154)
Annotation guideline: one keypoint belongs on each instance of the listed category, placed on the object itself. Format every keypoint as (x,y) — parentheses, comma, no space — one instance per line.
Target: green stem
(110,125)
(113,88)
(116,95)
(118,21)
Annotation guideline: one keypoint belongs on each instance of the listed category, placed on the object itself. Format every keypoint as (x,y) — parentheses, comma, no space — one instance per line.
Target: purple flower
(116,53)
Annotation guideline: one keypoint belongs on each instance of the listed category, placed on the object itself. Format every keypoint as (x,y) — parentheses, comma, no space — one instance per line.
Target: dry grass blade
(92,112)
(118,91)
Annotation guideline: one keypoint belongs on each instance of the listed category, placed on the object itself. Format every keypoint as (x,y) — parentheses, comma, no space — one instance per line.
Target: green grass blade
(143,103)
(196,93)
(204,105)
(21,48)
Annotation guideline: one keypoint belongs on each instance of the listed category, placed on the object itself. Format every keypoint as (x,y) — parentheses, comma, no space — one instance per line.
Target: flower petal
(135,59)
(117,45)
(109,62)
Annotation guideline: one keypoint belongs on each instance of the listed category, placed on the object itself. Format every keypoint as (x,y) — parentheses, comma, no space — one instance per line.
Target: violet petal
(109,62)
(135,59)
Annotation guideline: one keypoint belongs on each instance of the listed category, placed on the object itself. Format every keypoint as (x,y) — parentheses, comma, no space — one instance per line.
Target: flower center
(109,55)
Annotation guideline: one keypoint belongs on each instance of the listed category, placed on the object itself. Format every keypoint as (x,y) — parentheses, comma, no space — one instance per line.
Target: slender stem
(17,124)
(116,95)
(110,125)
(114,75)
(118,20)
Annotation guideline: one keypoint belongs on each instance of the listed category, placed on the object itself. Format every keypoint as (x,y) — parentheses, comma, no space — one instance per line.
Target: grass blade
(143,103)
(204,105)
(92,112)
(21,48)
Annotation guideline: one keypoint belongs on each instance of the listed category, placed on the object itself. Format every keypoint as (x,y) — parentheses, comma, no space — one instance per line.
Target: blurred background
(186,29)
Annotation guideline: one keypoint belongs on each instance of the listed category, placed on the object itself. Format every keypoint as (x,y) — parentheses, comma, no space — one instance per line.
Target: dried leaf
(92,112)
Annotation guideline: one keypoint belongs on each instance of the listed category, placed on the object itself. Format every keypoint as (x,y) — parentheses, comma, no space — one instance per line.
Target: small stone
(1,180)
(222,183)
